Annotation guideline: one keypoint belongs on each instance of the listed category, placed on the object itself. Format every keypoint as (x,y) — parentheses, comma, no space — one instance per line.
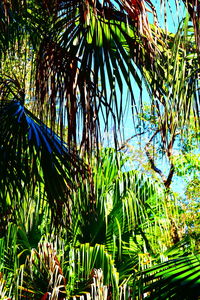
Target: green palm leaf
(32,155)
(174,279)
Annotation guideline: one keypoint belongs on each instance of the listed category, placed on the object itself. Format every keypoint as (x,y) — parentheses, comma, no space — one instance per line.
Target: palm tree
(66,61)
(64,68)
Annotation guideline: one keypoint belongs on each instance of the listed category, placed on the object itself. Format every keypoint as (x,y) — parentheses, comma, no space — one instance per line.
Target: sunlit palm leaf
(127,216)
(9,263)
(174,84)
(194,11)
(82,263)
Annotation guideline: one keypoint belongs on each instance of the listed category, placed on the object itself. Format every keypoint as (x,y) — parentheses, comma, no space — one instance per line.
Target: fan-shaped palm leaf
(30,154)
(82,53)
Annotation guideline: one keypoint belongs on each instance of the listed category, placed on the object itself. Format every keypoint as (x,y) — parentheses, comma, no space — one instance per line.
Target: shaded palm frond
(78,271)
(42,274)
(174,279)
(31,153)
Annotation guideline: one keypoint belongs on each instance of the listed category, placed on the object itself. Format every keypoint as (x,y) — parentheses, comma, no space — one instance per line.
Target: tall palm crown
(71,60)
(77,49)
(79,60)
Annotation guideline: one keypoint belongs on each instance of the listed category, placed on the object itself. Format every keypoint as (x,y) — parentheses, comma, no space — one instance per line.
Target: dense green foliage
(78,218)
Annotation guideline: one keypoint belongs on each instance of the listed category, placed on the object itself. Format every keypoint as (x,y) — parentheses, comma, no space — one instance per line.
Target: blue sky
(170,14)
(172,9)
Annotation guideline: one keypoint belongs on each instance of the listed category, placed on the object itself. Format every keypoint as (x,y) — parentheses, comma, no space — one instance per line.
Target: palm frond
(194,11)
(81,53)
(42,274)
(174,279)
(174,81)
(9,262)
(32,154)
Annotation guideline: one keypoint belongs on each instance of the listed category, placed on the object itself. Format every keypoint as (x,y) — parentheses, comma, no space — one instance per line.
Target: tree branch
(167,183)
(133,136)
(166,180)
(151,159)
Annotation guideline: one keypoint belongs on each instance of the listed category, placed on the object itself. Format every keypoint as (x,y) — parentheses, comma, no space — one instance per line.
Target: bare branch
(167,181)
(151,159)
(132,137)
